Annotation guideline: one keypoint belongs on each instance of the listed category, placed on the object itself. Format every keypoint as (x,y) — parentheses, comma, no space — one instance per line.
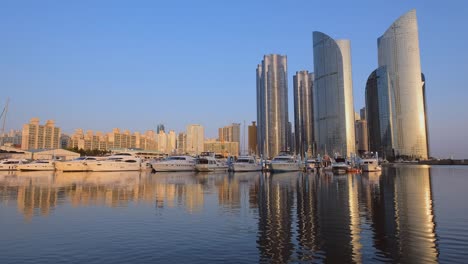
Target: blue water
(410,214)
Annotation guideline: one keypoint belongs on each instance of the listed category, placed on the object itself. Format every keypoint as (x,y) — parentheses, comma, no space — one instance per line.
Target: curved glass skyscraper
(272,105)
(333,96)
(400,87)
(303,111)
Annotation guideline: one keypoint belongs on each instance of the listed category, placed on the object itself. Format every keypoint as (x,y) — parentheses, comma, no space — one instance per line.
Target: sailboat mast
(4,115)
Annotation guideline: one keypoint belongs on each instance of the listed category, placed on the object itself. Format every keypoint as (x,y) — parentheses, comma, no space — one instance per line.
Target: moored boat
(175,163)
(10,164)
(340,165)
(246,163)
(370,164)
(78,164)
(38,165)
(117,162)
(285,162)
(207,162)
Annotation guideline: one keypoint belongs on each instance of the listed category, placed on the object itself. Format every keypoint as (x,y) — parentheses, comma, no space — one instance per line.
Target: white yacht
(38,165)
(78,164)
(10,164)
(207,162)
(117,162)
(370,164)
(285,162)
(340,165)
(246,163)
(175,163)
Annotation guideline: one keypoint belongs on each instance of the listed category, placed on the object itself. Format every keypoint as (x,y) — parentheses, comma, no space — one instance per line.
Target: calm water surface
(409,214)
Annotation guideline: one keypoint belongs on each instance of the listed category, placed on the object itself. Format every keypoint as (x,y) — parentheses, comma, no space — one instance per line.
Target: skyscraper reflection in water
(274,218)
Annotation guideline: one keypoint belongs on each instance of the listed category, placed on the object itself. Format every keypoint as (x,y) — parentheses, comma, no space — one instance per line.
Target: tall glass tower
(303,111)
(272,105)
(333,96)
(400,91)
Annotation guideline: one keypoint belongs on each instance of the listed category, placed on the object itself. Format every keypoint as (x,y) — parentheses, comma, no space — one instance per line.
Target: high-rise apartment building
(230,133)
(395,96)
(252,141)
(303,112)
(114,140)
(181,143)
(225,148)
(35,136)
(171,147)
(272,105)
(162,141)
(195,139)
(361,137)
(159,128)
(333,96)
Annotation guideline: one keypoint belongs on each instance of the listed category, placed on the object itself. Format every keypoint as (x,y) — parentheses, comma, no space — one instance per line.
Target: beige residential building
(112,140)
(230,133)
(224,148)
(171,147)
(36,136)
(195,139)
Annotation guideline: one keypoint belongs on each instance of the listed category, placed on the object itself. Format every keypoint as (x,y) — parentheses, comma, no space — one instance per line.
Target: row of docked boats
(206,162)
(116,162)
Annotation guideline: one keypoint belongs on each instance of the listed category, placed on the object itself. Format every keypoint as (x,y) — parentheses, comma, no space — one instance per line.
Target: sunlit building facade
(36,136)
(252,141)
(272,105)
(400,90)
(225,148)
(116,139)
(333,96)
(303,112)
(230,133)
(195,139)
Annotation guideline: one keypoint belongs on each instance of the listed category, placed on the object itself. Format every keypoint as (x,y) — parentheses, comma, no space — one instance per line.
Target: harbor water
(407,213)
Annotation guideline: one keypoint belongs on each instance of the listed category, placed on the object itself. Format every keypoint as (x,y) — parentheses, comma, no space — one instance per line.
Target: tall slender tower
(333,96)
(398,90)
(303,111)
(272,105)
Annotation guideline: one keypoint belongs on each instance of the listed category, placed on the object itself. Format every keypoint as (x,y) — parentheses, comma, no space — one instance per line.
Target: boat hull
(371,168)
(71,166)
(114,166)
(210,167)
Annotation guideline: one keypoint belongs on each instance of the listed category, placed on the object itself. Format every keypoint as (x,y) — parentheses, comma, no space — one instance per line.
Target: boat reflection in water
(283,217)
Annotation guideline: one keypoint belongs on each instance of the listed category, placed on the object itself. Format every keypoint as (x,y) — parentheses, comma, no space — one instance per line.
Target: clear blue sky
(132,64)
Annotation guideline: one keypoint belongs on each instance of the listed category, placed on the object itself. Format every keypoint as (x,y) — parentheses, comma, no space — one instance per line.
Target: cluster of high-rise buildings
(35,136)
(394,120)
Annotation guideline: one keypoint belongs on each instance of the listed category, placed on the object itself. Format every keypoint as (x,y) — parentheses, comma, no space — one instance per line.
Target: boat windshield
(176,158)
(340,160)
(282,159)
(202,161)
